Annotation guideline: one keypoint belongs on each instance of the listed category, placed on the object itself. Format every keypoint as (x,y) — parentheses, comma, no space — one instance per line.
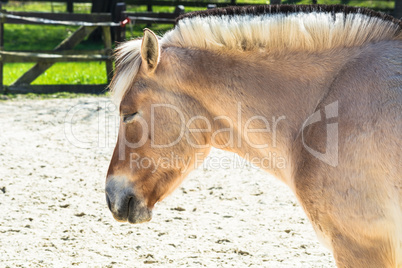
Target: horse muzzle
(124,203)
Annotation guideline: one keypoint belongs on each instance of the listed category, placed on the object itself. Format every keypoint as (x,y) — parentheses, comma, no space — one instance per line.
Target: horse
(328,76)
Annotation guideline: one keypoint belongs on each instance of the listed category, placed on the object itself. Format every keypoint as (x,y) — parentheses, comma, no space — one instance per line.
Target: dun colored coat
(318,88)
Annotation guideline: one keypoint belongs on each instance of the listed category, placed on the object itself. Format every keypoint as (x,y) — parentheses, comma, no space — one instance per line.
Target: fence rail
(17,56)
(89,89)
(58,19)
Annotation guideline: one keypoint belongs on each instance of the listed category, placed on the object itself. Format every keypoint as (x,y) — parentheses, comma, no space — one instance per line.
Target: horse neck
(283,89)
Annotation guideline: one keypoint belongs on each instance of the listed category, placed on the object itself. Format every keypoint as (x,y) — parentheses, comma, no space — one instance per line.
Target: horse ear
(150,50)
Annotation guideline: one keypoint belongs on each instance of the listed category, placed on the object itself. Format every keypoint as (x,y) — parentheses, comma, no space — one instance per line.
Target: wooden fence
(64,52)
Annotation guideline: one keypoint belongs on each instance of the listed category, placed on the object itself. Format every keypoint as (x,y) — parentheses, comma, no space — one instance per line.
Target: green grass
(34,37)
(60,73)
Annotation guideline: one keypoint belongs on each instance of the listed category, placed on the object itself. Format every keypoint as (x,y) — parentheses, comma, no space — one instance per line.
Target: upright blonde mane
(316,30)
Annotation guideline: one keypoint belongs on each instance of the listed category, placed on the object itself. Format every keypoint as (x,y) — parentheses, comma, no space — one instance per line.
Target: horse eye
(127,118)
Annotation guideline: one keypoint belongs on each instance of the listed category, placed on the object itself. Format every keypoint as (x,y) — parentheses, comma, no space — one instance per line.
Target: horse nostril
(108,202)
(130,201)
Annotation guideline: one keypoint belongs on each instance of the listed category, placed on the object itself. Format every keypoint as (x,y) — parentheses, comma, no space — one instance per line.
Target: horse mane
(288,9)
(263,27)
(282,27)
(128,61)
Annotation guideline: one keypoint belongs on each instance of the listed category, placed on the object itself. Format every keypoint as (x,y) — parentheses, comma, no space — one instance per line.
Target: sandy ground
(54,156)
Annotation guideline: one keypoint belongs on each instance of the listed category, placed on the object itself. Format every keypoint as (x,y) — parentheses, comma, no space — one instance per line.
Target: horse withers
(330,79)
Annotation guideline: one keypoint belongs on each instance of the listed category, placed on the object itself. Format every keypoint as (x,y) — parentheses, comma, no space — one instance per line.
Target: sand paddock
(54,156)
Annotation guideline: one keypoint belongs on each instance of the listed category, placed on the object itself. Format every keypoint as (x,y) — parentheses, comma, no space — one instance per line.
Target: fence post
(118,16)
(70,6)
(179,10)
(149,6)
(107,41)
(398,9)
(1,49)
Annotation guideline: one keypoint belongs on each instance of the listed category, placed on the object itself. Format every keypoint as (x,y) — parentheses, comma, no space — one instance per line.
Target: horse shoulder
(359,199)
